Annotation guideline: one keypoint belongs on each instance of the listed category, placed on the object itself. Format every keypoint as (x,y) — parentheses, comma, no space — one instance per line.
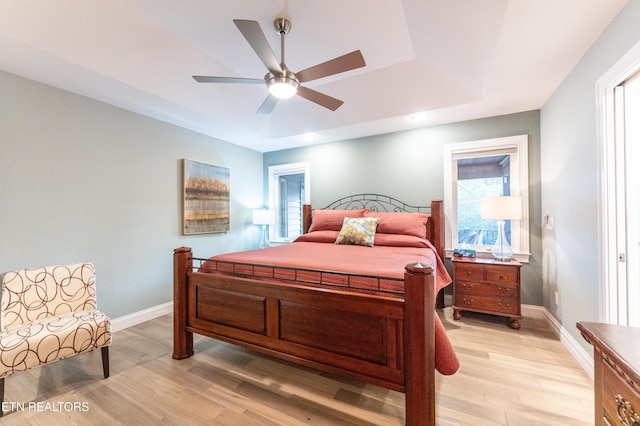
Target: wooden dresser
(488,286)
(616,357)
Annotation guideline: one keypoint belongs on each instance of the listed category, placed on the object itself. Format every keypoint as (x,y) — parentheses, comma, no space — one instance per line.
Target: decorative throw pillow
(358,230)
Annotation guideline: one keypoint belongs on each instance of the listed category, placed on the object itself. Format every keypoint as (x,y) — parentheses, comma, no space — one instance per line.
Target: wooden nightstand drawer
(495,305)
(502,275)
(507,290)
(469,272)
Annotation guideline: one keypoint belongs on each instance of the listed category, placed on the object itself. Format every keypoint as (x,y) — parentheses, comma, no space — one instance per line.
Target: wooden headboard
(383,203)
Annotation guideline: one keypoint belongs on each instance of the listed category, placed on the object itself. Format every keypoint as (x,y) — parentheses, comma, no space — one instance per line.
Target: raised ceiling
(453,59)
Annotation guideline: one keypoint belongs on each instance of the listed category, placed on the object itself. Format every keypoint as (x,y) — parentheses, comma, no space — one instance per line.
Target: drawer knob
(504,305)
(467,286)
(626,412)
(467,301)
(468,273)
(501,277)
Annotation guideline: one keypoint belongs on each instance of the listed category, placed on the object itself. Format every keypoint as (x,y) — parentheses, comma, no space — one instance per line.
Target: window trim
(274,188)
(487,147)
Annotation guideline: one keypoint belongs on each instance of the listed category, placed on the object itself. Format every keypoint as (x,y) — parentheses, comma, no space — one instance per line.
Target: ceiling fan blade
(319,98)
(337,65)
(267,105)
(253,33)
(207,79)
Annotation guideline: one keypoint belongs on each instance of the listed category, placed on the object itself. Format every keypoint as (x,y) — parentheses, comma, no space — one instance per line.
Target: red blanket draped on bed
(315,259)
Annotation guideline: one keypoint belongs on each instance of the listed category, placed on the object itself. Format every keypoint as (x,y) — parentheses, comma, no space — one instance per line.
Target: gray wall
(82,180)
(408,165)
(569,177)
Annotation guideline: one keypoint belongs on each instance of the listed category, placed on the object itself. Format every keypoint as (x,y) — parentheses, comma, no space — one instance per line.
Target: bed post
(419,344)
(437,239)
(306,218)
(182,339)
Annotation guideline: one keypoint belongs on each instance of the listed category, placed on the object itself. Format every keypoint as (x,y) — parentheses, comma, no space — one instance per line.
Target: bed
(370,315)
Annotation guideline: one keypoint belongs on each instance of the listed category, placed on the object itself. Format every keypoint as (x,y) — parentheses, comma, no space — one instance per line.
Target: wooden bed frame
(362,336)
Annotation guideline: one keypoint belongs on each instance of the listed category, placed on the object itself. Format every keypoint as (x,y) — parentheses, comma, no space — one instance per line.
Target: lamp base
(264,240)
(502,250)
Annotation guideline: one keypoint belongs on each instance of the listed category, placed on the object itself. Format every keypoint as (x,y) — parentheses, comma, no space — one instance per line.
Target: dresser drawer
(507,290)
(618,397)
(469,272)
(497,305)
(502,275)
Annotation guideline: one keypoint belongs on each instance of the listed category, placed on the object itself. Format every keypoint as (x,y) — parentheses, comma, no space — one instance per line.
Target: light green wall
(570,177)
(83,180)
(408,165)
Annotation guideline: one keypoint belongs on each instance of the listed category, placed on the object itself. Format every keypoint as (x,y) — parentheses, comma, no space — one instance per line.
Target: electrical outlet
(556,297)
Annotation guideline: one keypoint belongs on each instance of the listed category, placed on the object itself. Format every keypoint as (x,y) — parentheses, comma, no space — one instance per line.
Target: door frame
(608,155)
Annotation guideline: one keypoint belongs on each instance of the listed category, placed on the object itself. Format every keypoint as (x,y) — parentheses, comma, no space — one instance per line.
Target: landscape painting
(206,198)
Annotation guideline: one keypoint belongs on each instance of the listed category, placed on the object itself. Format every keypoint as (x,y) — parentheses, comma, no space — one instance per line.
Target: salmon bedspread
(314,259)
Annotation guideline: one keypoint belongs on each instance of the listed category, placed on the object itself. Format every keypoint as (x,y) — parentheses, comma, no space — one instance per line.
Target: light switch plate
(549,223)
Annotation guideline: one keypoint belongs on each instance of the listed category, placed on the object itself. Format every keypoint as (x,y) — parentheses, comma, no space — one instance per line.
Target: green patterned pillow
(358,230)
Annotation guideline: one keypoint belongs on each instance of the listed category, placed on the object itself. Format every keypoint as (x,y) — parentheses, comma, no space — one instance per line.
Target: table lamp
(501,208)
(264,217)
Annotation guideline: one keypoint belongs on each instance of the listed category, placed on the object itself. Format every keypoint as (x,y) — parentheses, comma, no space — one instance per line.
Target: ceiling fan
(281,82)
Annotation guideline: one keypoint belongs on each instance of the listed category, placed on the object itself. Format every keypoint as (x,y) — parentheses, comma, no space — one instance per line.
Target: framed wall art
(206,198)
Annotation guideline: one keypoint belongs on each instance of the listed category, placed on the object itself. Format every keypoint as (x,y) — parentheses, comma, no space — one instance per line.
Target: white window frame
(275,172)
(519,187)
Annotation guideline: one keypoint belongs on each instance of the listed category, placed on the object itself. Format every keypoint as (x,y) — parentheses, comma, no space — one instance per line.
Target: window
(478,169)
(289,189)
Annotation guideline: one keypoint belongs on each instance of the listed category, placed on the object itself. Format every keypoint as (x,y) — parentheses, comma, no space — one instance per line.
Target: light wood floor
(507,377)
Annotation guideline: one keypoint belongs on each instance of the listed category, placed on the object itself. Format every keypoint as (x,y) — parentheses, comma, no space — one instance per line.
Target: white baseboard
(141,316)
(533,311)
(584,359)
(448,299)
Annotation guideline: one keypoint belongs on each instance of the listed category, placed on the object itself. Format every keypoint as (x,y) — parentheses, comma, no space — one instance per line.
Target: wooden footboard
(383,340)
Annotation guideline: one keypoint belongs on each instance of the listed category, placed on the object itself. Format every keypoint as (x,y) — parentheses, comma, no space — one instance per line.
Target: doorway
(619,133)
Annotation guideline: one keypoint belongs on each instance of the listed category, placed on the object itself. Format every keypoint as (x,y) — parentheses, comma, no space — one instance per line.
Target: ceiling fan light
(282,87)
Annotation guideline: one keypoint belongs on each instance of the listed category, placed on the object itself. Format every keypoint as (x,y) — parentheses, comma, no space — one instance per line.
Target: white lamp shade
(501,208)
(264,217)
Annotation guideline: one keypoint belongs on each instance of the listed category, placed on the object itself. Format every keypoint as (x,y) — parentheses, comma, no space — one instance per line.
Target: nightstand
(488,286)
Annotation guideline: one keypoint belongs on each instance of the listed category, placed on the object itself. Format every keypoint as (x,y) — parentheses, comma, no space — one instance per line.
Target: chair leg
(1,396)
(105,360)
